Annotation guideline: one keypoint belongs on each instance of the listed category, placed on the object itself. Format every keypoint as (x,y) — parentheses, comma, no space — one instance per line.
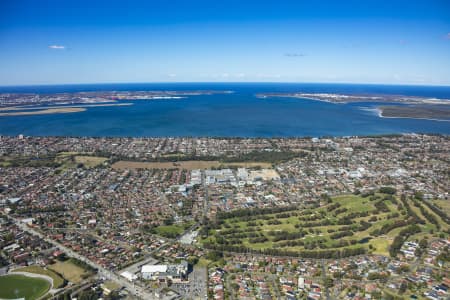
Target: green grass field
(172,231)
(349,222)
(57,280)
(70,271)
(443,204)
(19,286)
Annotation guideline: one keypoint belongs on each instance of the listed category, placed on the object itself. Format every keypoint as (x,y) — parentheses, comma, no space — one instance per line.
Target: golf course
(341,226)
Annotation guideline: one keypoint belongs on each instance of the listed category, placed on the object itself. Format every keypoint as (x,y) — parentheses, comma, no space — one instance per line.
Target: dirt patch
(90,161)
(187,165)
(69,271)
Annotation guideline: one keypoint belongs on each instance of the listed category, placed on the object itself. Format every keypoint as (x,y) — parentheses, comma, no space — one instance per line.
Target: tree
(113,296)
(329,282)
(403,287)
(88,295)
(214,255)
(388,190)
(418,195)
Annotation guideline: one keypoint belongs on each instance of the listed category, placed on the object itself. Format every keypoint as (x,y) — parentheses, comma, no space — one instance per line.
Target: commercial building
(164,272)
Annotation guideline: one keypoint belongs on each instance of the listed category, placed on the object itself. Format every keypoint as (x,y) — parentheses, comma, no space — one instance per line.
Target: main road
(131,287)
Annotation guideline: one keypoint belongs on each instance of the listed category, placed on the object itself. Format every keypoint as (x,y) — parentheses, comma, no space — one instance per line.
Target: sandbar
(422,112)
(44,111)
(9,108)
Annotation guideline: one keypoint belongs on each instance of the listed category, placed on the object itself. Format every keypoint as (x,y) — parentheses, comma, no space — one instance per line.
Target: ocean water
(240,114)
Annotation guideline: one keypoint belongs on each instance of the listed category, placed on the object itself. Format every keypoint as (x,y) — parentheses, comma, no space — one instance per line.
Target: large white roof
(154,269)
(128,275)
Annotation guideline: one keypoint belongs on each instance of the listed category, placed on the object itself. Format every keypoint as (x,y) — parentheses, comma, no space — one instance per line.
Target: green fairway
(20,286)
(346,225)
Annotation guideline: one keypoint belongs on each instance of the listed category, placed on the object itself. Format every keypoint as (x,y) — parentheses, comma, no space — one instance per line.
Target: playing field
(20,286)
(172,231)
(57,280)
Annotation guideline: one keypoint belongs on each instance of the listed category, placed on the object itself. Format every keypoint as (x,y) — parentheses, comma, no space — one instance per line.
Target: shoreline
(93,97)
(300,98)
(13,108)
(413,118)
(380,114)
(355,98)
(47,110)
(43,112)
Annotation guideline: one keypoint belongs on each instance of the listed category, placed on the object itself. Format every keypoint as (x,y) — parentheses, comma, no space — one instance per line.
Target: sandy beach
(33,110)
(417,113)
(9,108)
(44,111)
(414,118)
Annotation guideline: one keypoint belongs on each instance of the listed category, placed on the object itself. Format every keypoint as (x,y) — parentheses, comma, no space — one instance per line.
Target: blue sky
(394,42)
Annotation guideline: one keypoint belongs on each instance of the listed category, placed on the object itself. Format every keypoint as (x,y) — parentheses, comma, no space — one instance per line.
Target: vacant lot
(90,161)
(69,271)
(264,165)
(187,165)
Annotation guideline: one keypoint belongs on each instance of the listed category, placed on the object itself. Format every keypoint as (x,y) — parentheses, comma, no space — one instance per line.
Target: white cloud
(57,47)
(172,75)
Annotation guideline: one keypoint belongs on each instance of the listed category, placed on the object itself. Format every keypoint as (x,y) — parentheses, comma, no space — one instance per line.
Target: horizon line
(226,82)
